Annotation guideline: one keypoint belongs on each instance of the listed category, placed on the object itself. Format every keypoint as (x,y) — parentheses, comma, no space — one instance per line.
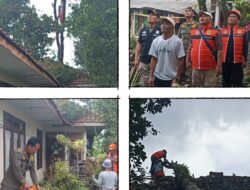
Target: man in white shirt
(167,53)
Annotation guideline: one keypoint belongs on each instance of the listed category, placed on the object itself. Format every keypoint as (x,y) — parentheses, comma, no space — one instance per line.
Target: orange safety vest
(238,38)
(202,57)
(115,161)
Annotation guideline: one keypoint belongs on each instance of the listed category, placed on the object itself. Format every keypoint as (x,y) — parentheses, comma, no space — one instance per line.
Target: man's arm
(16,163)
(188,57)
(245,47)
(153,63)
(137,53)
(180,65)
(33,172)
(218,41)
(99,181)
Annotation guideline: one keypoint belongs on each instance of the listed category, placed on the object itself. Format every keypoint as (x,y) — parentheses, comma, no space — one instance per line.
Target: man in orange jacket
(235,50)
(113,156)
(156,157)
(205,52)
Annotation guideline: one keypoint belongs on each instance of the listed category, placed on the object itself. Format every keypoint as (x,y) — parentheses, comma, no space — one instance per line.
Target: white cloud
(207,135)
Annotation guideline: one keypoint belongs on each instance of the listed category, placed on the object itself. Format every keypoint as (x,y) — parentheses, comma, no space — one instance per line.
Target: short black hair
(33,141)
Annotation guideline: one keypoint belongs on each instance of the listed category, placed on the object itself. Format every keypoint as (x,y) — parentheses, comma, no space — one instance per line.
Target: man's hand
(38,187)
(137,63)
(218,69)
(151,81)
(188,64)
(24,186)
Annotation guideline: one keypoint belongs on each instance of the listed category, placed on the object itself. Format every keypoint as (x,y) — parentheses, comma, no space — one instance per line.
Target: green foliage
(202,5)
(63,179)
(108,110)
(94,23)
(140,127)
(182,174)
(28,29)
(77,145)
(70,110)
(63,73)
(98,150)
(244,7)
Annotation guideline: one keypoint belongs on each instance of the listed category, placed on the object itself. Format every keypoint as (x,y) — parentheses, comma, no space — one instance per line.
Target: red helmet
(237,12)
(112,147)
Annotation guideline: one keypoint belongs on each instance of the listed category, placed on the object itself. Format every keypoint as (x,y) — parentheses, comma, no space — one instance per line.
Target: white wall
(31,127)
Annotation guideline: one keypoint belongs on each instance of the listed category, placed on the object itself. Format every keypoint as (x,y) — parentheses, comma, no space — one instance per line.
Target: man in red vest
(205,52)
(113,156)
(156,157)
(235,50)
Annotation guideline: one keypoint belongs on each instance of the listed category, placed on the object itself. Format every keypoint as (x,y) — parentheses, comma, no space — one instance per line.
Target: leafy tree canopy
(140,127)
(29,30)
(94,23)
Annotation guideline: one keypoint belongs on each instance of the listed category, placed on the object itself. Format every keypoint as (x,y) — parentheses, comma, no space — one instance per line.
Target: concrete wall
(31,127)
(224,183)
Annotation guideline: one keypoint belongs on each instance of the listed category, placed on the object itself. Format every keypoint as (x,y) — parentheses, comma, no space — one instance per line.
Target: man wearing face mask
(167,55)
(235,50)
(205,53)
(146,36)
(23,159)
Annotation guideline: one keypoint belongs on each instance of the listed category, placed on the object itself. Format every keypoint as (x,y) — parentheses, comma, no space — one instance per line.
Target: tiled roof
(88,118)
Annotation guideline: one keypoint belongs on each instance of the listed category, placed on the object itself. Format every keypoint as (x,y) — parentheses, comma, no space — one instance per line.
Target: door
(14,136)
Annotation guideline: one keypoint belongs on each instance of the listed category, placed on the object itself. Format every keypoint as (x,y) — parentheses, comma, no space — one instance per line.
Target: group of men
(197,56)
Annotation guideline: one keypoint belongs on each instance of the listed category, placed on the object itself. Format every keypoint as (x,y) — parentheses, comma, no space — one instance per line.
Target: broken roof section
(18,68)
(175,6)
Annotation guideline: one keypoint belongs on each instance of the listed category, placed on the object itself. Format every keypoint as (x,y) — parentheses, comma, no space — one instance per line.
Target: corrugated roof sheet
(176,6)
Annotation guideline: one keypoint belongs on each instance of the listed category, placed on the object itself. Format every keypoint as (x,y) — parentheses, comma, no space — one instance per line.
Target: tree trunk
(59,30)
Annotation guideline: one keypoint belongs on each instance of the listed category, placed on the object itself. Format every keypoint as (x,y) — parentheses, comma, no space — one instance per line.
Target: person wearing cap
(205,53)
(235,51)
(107,179)
(156,156)
(146,36)
(166,51)
(184,34)
(113,156)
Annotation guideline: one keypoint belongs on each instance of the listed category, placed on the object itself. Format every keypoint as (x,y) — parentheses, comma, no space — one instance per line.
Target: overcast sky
(45,7)
(206,134)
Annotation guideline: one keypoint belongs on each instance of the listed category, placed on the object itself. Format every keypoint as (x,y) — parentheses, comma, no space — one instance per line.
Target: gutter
(29,60)
(53,106)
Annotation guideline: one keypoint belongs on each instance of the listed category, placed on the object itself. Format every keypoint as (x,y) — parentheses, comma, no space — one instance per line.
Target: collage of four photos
(73,142)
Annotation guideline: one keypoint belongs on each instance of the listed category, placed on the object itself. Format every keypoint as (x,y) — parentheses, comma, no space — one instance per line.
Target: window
(14,136)
(39,158)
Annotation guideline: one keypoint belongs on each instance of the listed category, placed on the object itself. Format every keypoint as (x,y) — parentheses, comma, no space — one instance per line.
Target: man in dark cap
(146,36)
